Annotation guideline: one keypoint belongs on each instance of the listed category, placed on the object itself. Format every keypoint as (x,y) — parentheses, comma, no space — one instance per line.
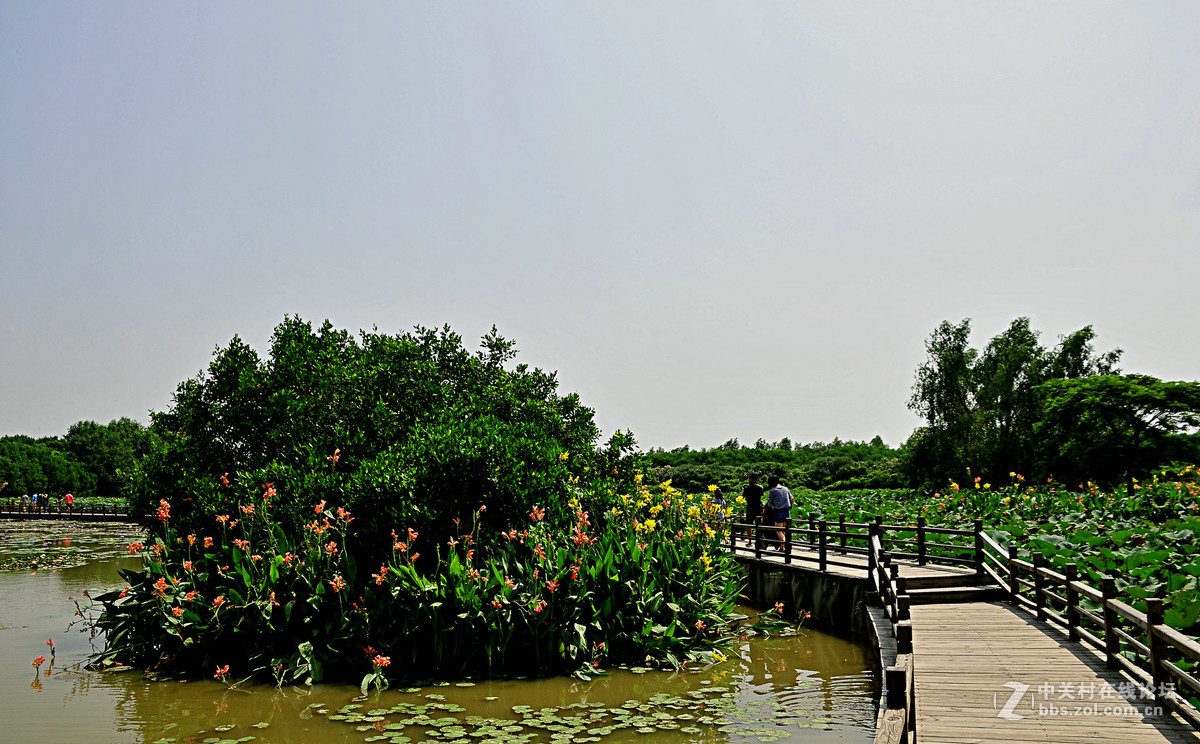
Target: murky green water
(811,688)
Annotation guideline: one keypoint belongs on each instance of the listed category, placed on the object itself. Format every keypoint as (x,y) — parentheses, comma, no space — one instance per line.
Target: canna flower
(700,625)
(333,459)
(243,544)
(220,600)
(177,611)
(37,663)
(319,507)
(331,548)
(381,661)
(551,585)
(225,480)
(164,510)
(248,509)
(497,604)
(222,673)
(191,540)
(208,542)
(338,583)
(190,596)
(135,547)
(269,493)
(537,514)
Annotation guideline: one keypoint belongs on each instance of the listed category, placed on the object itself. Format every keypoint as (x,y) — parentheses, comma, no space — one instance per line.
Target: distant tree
(762,444)
(731,445)
(785,444)
(108,450)
(1114,428)
(41,466)
(981,409)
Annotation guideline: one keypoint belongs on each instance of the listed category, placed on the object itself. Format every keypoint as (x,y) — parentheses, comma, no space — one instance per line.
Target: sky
(713,220)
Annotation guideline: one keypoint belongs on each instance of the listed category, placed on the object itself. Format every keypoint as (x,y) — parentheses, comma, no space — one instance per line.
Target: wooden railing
(18,507)
(1138,643)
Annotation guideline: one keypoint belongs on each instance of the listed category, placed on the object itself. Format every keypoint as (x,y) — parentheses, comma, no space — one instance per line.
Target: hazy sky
(714,220)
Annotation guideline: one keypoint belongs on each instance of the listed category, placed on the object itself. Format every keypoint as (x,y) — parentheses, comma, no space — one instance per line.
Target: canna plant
(644,580)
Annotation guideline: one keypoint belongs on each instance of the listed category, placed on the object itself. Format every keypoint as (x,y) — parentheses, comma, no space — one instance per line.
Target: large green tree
(108,451)
(981,408)
(410,430)
(1115,428)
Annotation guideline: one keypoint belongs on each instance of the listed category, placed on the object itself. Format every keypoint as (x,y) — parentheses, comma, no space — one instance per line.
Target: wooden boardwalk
(990,672)
(973,660)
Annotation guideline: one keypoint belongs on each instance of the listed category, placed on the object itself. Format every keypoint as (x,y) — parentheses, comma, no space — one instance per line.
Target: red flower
(222,672)
(177,611)
(164,510)
(552,585)
(381,661)
(220,600)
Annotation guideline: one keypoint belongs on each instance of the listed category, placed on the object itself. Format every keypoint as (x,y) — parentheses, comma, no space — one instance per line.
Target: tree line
(1014,407)
(91,459)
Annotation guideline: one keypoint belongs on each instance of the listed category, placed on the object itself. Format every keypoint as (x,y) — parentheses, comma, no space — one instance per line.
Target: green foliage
(30,465)
(836,464)
(1111,428)
(407,430)
(982,409)
(108,451)
(648,580)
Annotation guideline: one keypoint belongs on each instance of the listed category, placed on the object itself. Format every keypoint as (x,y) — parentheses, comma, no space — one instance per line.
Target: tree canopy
(406,430)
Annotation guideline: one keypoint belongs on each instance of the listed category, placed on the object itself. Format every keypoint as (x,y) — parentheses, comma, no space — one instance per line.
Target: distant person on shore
(779,505)
(70,499)
(752,493)
(35,499)
(24,502)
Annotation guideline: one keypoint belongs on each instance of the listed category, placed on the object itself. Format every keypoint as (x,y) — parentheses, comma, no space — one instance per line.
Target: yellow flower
(649,525)
(564,456)
(712,489)
(654,510)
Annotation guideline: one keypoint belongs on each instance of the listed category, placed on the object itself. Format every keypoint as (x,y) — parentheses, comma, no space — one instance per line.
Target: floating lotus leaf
(464,684)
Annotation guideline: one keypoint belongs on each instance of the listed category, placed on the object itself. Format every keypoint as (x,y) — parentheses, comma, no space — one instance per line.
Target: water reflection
(824,684)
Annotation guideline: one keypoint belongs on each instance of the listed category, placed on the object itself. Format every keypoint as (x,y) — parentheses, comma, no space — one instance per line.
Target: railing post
(1158,673)
(904,637)
(1072,573)
(921,541)
(1039,585)
(822,543)
(842,529)
(897,687)
(812,525)
(893,582)
(1112,644)
(978,546)
(903,607)
(1014,586)
(879,531)
(758,538)
(787,541)
(870,548)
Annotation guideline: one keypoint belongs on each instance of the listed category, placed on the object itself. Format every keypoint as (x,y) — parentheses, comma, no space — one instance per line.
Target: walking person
(779,506)
(70,499)
(752,493)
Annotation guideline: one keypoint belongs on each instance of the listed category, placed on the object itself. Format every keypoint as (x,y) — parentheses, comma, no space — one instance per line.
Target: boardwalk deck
(969,656)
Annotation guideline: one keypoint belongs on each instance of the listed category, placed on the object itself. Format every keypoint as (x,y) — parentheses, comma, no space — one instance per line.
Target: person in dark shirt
(753,493)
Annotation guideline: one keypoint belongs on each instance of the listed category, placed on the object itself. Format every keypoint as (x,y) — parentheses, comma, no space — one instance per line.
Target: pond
(812,687)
